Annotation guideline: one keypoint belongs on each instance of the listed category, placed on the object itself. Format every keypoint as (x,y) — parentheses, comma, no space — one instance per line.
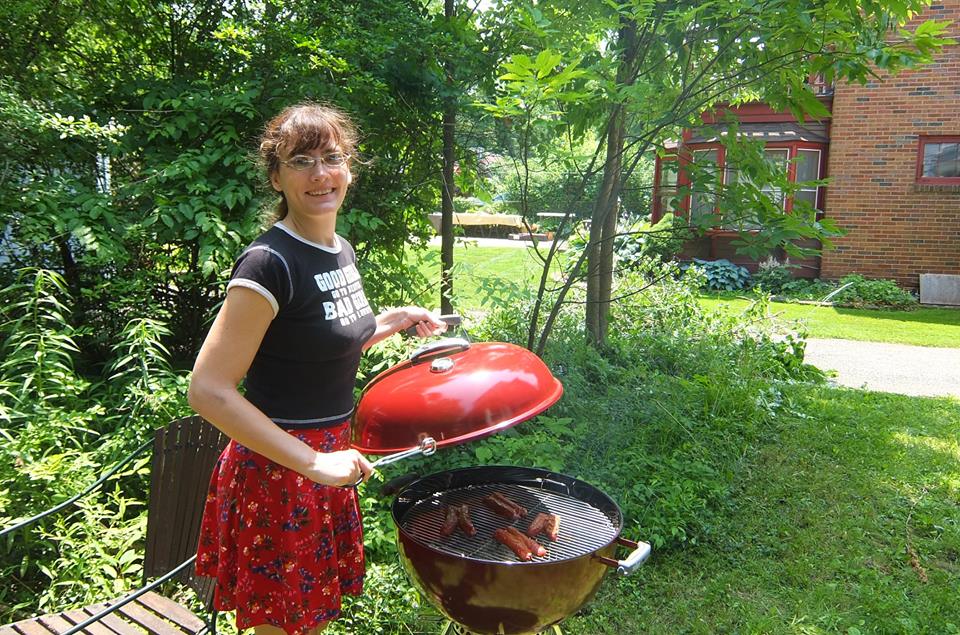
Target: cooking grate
(583,527)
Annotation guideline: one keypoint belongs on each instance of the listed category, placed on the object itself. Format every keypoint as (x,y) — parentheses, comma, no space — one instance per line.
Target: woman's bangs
(307,132)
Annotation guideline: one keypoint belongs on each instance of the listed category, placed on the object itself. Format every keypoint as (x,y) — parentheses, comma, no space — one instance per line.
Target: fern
(38,344)
(144,389)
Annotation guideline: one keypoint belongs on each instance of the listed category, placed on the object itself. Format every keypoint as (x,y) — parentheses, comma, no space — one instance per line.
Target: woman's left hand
(427,323)
(422,323)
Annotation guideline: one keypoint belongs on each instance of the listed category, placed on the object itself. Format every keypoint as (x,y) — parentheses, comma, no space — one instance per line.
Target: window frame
(819,199)
(674,158)
(719,163)
(924,140)
(684,154)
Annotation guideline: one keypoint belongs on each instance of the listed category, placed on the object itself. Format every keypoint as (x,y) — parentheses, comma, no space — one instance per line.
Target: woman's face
(315,191)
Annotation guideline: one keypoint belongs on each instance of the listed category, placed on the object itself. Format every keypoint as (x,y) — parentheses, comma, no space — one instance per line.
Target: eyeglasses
(303,162)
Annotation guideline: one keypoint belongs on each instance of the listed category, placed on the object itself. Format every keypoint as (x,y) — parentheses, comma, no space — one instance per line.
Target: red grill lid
(452,391)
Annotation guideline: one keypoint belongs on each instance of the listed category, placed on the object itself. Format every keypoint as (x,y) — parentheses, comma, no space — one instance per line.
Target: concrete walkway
(898,368)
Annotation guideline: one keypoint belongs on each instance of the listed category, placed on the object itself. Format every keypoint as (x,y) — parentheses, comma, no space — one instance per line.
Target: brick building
(891,152)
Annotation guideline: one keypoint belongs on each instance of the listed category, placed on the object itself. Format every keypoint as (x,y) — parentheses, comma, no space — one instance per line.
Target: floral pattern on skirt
(282,548)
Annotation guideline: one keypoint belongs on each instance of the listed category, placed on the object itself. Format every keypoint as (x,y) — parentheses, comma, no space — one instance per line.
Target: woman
(280,532)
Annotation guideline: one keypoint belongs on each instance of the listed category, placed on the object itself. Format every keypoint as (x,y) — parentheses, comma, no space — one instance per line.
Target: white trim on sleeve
(259,288)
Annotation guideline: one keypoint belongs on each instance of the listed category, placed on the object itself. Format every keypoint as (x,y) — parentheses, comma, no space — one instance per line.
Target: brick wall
(896,229)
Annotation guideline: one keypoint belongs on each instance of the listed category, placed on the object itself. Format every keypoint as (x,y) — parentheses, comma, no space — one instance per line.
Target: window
(709,170)
(818,83)
(667,186)
(703,200)
(938,160)
(808,169)
(777,157)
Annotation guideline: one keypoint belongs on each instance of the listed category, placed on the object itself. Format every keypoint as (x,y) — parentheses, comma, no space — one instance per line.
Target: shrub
(59,430)
(722,275)
(803,289)
(873,293)
(663,418)
(772,275)
(659,242)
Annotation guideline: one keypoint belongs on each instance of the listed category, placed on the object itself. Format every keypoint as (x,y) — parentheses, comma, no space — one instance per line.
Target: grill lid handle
(447,345)
(428,446)
(639,555)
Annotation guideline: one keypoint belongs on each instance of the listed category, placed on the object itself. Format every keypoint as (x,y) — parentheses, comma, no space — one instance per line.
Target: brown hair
(299,129)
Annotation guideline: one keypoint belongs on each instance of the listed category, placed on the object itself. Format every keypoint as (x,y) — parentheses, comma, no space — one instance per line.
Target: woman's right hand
(344,467)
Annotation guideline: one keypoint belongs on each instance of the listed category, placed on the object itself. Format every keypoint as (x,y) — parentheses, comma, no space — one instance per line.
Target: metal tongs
(452,320)
(428,446)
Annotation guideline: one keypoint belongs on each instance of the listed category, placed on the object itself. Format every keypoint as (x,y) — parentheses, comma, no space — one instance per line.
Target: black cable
(74,499)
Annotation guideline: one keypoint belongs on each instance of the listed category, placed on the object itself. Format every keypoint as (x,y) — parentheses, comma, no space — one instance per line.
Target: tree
(175,94)
(447,187)
(656,65)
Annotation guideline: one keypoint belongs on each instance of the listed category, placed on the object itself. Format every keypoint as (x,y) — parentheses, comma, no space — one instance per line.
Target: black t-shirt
(305,370)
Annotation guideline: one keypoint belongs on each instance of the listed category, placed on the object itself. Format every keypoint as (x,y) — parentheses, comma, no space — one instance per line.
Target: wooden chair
(184,454)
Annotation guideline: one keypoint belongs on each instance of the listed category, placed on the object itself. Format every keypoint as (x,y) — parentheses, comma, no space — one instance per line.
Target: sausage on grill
(534,546)
(552,527)
(500,507)
(515,543)
(536,525)
(545,523)
(450,521)
(463,520)
(518,510)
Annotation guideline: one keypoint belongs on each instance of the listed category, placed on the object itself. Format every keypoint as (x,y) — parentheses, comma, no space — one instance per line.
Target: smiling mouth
(320,192)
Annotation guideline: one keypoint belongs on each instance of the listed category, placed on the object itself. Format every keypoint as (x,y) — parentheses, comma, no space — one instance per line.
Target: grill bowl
(478,583)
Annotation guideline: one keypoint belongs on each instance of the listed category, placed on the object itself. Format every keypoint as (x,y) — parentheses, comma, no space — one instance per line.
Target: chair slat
(25,627)
(172,611)
(55,623)
(113,622)
(155,624)
(79,615)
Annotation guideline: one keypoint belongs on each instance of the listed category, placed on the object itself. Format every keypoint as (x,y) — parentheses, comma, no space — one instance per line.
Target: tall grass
(61,430)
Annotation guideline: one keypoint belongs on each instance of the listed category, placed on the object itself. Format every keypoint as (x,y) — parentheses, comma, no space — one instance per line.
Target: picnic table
(482,219)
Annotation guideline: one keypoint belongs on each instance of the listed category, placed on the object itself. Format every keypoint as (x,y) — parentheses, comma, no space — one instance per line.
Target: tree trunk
(447,189)
(603,229)
(606,211)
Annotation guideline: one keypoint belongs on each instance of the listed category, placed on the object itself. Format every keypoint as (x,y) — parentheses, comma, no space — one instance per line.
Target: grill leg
(452,628)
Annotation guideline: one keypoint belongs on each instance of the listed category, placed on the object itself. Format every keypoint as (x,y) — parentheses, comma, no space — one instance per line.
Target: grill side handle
(639,555)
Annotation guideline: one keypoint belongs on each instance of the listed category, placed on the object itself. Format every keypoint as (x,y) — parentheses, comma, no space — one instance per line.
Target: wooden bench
(184,454)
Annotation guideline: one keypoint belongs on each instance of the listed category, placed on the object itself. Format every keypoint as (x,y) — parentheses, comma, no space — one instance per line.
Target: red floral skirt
(282,548)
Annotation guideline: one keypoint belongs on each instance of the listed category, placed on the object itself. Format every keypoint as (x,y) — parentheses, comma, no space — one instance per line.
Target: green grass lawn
(487,275)
(848,521)
(493,275)
(921,327)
